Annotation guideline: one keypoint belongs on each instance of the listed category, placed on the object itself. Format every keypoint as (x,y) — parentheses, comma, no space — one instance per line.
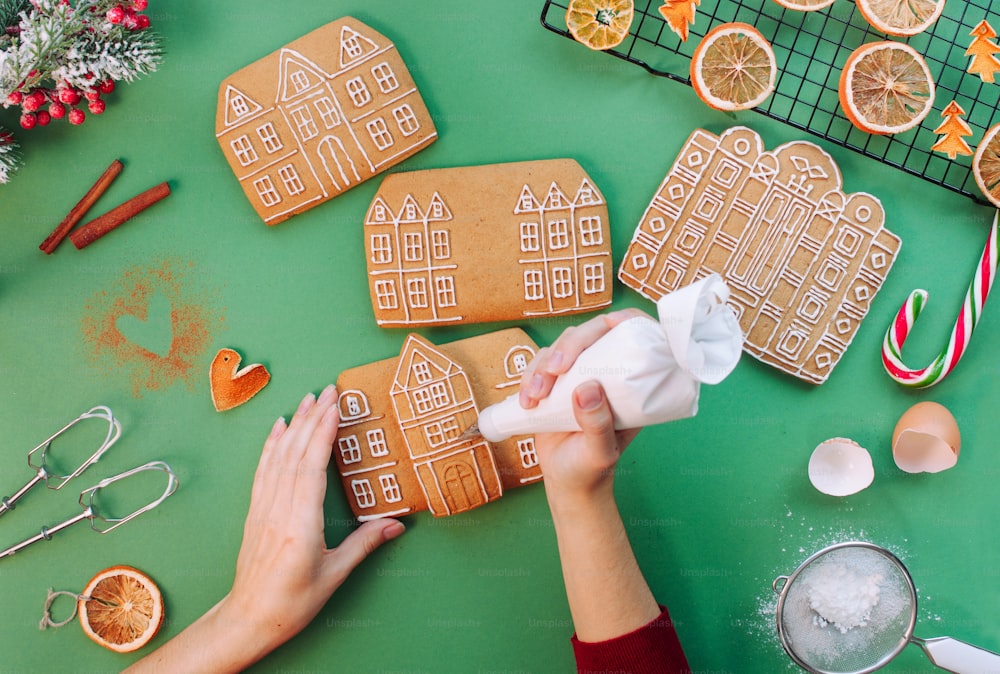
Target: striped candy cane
(941,366)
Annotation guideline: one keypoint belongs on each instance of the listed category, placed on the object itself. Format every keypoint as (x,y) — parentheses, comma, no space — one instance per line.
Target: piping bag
(651,371)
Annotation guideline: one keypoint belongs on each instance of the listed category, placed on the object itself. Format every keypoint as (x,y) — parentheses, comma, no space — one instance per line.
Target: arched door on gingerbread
(462,490)
(338,164)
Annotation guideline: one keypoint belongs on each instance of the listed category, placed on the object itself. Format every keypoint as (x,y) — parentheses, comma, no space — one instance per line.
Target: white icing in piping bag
(651,371)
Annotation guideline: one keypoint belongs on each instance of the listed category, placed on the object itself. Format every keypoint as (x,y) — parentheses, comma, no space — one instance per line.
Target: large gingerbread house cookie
(487,243)
(802,258)
(400,450)
(319,116)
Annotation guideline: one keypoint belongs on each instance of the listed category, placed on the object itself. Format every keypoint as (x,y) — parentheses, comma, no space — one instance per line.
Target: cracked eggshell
(840,467)
(926,439)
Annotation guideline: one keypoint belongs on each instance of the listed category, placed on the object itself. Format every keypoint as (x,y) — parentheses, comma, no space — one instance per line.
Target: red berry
(141,22)
(140,5)
(15,98)
(107,86)
(96,106)
(76,116)
(69,96)
(57,110)
(33,101)
(43,117)
(92,94)
(116,15)
(28,120)
(131,21)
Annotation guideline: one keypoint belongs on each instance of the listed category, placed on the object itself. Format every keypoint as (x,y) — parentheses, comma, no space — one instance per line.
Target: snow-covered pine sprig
(56,55)
(10,155)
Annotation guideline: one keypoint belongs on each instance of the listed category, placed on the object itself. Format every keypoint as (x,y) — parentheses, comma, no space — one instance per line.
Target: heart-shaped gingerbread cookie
(231,386)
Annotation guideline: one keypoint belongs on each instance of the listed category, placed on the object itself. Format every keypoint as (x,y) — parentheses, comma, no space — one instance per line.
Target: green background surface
(715,506)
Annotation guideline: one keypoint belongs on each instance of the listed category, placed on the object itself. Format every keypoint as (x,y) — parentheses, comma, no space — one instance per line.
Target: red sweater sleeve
(652,649)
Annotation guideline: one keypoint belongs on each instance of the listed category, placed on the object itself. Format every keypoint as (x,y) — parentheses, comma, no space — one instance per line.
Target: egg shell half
(926,439)
(840,467)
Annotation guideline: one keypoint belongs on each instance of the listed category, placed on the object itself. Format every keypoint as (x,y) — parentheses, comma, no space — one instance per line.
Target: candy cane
(941,366)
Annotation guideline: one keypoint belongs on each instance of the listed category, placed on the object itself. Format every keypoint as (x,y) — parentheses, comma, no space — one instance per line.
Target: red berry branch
(59,58)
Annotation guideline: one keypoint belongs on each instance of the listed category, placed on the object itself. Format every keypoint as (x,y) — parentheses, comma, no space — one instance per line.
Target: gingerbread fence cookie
(399,448)
(319,116)
(803,259)
(487,243)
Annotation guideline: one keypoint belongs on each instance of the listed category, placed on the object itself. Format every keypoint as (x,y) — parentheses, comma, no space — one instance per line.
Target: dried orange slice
(805,5)
(599,24)
(886,87)
(733,67)
(986,165)
(901,17)
(121,609)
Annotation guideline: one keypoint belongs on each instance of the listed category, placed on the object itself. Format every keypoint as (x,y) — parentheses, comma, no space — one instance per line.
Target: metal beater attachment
(40,462)
(102,524)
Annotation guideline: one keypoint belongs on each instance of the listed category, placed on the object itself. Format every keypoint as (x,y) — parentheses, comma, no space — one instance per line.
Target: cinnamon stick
(119,215)
(81,208)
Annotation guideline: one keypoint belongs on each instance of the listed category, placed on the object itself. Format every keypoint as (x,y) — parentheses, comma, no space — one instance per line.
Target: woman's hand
(284,573)
(577,463)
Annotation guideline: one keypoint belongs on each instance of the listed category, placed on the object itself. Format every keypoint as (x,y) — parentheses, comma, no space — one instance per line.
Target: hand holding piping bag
(651,371)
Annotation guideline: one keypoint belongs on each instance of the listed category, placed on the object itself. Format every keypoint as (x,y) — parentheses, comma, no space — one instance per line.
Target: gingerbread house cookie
(400,450)
(487,243)
(802,258)
(319,116)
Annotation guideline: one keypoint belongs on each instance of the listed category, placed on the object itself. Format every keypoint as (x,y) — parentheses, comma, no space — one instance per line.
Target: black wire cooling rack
(811,48)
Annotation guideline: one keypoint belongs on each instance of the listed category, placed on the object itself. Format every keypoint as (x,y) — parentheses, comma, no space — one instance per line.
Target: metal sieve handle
(959,657)
(779,584)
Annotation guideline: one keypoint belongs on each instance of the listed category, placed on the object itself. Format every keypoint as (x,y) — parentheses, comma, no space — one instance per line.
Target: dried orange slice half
(805,5)
(733,67)
(599,24)
(986,165)
(886,87)
(901,17)
(121,609)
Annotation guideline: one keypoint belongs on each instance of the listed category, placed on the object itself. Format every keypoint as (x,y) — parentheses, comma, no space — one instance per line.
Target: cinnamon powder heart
(232,387)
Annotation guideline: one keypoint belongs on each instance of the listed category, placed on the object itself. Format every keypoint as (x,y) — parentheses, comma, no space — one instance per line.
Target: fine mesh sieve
(851,608)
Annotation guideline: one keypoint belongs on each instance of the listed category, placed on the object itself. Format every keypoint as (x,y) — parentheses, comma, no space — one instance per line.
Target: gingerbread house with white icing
(319,116)
(400,447)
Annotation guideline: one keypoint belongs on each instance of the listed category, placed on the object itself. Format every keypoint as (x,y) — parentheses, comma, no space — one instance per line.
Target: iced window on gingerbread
(534,285)
(593,278)
(441,244)
(381,247)
(526,450)
(406,120)
(290,177)
(265,189)
(591,233)
(363,493)
(558,234)
(358,91)
(444,287)
(562,282)
(376,442)
(244,151)
(385,78)
(413,246)
(269,137)
(385,293)
(416,290)
(379,133)
(390,488)
(529,237)
(304,122)
(350,449)
(327,112)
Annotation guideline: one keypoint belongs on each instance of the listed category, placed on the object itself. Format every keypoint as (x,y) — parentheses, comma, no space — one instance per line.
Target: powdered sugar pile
(842,596)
